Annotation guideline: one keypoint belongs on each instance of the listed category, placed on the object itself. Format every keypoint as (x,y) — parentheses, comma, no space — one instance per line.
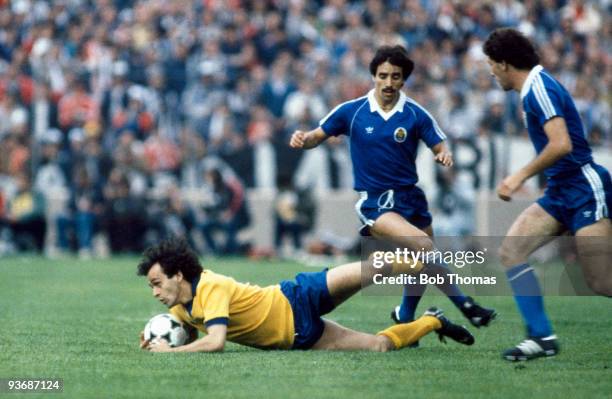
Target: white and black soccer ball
(167,327)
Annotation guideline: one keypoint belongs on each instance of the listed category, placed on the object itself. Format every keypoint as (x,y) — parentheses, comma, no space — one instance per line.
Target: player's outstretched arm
(559,145)
(442,155)
(307,140)
(214,341)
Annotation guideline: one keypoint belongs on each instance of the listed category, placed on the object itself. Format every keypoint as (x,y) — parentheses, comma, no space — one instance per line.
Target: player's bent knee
(510,255)
(424,243)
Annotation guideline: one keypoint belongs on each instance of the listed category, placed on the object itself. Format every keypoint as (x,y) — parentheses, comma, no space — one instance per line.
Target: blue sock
(452,291)
(528,297)
(412,296)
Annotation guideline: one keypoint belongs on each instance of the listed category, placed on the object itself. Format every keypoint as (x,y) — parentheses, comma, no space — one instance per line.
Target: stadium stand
(156,90)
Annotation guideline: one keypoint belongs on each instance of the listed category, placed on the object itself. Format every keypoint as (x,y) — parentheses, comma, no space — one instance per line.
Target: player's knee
(510,256)
(424,243)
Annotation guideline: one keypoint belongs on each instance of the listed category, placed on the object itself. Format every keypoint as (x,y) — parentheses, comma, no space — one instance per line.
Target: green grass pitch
(80,321)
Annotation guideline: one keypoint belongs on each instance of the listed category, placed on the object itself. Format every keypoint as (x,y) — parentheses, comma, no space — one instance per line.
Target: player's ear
(179,276)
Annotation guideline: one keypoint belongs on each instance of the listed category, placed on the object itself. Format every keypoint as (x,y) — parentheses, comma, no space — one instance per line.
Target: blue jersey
(543,99)
(383,144)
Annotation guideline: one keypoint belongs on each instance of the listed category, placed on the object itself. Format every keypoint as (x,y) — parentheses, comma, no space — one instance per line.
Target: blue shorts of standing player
(409,202)
(579,198)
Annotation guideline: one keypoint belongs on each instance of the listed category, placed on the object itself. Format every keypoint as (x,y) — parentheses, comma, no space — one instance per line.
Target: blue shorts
(409,202)
(309,298)
(579,198)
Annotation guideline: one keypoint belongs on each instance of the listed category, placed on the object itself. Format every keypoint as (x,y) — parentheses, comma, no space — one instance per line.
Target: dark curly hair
(396,55)
(511,46)
(173,255)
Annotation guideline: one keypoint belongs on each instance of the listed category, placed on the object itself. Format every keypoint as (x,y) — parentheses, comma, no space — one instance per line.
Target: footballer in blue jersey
(385,128)
(578,195)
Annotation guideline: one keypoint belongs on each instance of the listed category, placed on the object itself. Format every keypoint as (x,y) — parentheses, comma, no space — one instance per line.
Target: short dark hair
(511,46)
(396,55)
(173,255)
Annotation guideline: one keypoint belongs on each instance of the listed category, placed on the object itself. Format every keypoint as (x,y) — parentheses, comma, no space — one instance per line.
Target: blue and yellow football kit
(282,316)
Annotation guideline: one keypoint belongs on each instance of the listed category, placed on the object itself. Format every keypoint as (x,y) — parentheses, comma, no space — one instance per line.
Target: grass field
(80,321)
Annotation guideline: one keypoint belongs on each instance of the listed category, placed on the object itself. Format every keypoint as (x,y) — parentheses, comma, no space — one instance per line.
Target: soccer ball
(167,327)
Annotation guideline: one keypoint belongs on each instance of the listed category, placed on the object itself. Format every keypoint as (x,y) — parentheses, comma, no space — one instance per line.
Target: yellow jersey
(255,316)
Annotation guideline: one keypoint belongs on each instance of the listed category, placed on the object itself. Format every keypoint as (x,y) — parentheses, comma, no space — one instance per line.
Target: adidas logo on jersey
(369,130)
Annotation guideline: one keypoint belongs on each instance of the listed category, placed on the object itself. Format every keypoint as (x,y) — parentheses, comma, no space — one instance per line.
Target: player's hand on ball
(297,139)
(144,344)
(159,345)
(445,158)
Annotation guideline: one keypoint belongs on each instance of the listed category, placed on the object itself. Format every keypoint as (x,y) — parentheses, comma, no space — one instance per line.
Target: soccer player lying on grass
(282,316)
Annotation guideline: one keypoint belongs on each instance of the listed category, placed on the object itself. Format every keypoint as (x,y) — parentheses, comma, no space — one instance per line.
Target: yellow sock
(405,334)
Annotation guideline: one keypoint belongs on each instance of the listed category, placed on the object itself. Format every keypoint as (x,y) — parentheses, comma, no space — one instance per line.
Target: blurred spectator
(127,156)
(97,161)
(15,154)
(14,117)
(124,219)
(161,155)
(171,216)
(77,107)
(278,86)
(583,15)
(77,226)
(25,217)
(226,212)
(115,97)
(493,125)
(201,98)
(44,111)
(459,121)
(456,204)
(272,39)
(16,79)
(50,177)
(294,213)
(193,148)
(304,104)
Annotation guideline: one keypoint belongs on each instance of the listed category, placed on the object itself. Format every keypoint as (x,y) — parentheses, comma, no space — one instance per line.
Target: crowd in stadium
(123,105)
